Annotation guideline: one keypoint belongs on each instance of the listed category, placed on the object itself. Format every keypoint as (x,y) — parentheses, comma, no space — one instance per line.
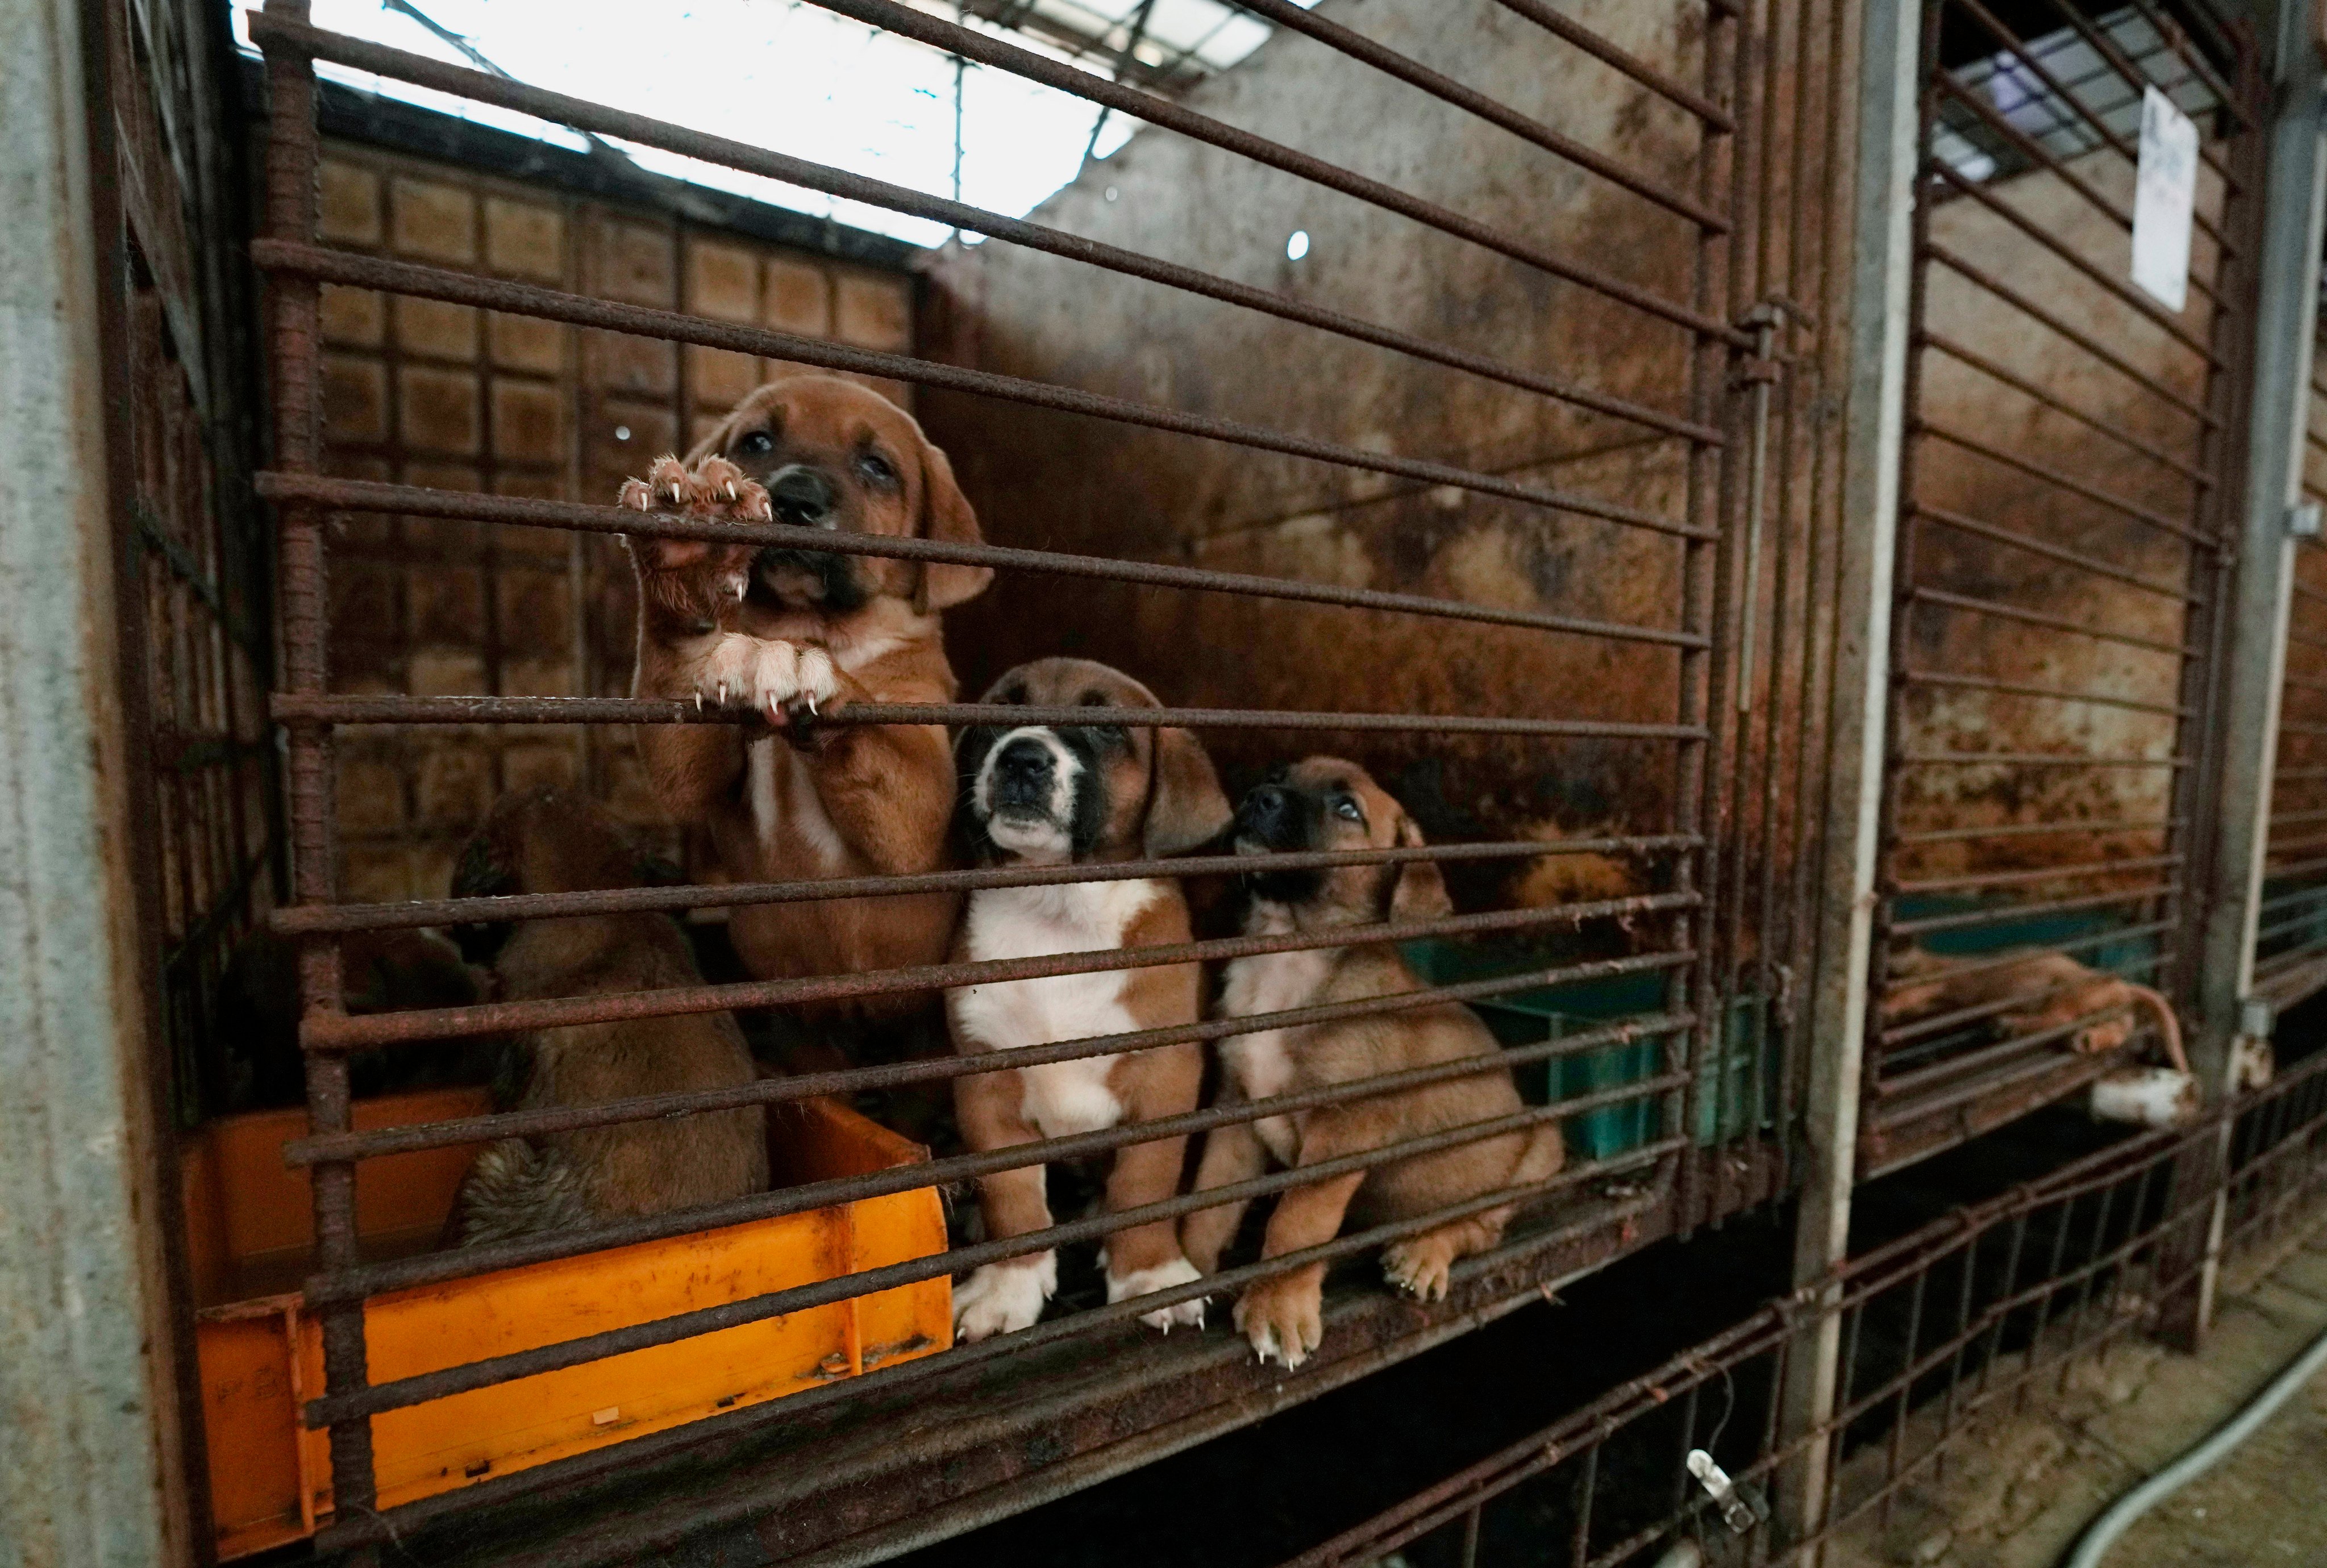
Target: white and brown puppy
(790,633)
(553,841)
(1040,794)
(1327,804)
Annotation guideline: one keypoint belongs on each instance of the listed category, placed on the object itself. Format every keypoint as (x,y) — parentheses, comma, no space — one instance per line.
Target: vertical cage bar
(293,195)
(1887,51)
(2286,316)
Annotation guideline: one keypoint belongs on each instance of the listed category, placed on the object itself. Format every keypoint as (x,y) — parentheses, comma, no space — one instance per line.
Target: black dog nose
(1264,811)
(801,496)
(1023,760)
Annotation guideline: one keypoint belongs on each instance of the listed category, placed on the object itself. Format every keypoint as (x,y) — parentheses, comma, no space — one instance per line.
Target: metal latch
(1740,1508)
(2257,1018)
(2303,521)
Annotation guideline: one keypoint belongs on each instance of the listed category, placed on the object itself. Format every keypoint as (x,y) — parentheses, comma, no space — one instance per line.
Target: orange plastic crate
(249,1229)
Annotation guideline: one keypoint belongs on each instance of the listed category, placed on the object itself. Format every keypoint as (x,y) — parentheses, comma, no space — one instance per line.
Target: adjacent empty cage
(2068,489)
(1554,484)
(2289,941)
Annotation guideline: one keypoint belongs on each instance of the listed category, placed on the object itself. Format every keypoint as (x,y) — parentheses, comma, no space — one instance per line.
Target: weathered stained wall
(1958,399)
(1083,484)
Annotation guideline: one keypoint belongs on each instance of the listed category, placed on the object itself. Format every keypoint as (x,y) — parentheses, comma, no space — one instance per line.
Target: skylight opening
(790,76)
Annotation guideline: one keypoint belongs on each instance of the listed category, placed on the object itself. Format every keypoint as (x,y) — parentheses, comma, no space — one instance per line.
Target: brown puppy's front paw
(693,577)
(1284,1317)
(1419,1266)
(773,678)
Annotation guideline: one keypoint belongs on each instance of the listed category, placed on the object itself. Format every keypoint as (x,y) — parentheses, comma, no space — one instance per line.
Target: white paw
(1162,1277)
(1421,1272)
(1002,1298)
(763,675)
(1264,1345)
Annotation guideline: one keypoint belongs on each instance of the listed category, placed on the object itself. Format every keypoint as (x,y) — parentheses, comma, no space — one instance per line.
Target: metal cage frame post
(94,1470)
(2285,317)
(1881,274)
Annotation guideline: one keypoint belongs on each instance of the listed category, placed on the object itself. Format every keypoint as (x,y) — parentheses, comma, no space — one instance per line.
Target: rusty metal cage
(1966,1316)
(2068,490)
(2289,942)
(1727,293)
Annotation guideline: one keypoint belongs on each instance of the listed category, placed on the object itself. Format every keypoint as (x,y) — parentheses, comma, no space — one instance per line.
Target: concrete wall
(1084,484)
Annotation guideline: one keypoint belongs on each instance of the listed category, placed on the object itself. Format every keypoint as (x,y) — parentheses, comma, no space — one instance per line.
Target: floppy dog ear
(1186,806)
(1421,892)
(945,515)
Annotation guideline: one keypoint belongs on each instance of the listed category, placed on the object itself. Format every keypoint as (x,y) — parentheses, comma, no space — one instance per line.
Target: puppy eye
(1347,809)
(755,443)
(876,469)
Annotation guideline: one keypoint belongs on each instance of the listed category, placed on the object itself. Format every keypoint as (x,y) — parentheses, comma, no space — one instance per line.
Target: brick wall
(452,397)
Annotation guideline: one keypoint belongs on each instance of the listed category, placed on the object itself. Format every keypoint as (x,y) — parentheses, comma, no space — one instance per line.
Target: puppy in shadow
(554,841)
(1326,804)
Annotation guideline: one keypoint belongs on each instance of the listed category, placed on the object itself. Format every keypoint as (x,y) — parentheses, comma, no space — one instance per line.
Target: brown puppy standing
(1327,804)
(1045,796)
(551,841)
(789,634)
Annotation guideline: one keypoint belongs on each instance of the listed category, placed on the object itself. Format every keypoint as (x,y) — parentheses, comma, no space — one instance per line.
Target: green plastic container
(1725,1108)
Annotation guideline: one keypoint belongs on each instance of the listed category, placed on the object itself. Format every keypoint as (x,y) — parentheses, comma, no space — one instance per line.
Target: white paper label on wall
(2164,195)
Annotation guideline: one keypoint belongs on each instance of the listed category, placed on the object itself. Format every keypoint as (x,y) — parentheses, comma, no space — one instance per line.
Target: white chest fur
(1060,1098)
(1261,1063)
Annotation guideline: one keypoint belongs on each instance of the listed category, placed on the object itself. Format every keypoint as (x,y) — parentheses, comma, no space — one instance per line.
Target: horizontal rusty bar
(342,1032)
(2044,158)
(877,1381)
(1389,61)
(1962,1017)
(988,51)
(2031,829)
(407,1139)
(461,1263)
(1954,349)
(412,501)
(297,708)
(404,1392)
(371,272)
(2315,893)
(2055,1073)
(2085,341)
(1932,678)
(1976,606)
(2032,759)
(2046,474)
(2123,293)
(2300,868)
(2039,874)
(2130,73)
(582,114)
(1919,1083)
(2009,960)
(2167,29)
(2051,552)
(293,920)
(1665,87)
(2024,911)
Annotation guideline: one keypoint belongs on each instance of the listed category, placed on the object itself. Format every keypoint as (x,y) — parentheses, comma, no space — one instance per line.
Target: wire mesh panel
(1666,510)
(2289,939)
(1945,1332)
(2066,487)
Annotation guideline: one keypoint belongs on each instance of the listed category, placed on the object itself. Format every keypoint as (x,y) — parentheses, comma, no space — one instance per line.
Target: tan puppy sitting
(1327,804)
(552,841)
(791,634)
(1043,796)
